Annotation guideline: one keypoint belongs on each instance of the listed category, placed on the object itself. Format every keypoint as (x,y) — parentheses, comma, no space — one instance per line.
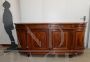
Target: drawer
(78,25)
(63,26)
(20,26)
(80,29)
(32,26)
(37,26)
(66,26)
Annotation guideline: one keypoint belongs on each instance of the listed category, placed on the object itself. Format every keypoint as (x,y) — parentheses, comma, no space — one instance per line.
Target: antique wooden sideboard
(53,38)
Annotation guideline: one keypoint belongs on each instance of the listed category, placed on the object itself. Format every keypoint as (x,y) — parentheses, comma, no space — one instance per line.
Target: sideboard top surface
(52,22)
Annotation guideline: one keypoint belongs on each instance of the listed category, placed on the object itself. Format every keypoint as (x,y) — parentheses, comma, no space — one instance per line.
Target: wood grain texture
(50,36)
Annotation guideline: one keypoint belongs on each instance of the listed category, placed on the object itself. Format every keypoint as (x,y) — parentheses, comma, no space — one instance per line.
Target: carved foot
(70,56)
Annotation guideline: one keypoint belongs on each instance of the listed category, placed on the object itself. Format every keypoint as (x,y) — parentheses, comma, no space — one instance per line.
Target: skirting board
(5,45)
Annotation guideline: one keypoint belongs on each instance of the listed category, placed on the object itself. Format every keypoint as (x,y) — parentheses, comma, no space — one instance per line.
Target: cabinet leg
(79,53)
(70,56)
(28,55)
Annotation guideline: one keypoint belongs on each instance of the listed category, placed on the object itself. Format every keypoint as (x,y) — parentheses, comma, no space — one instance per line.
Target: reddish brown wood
(22,38)
(56,38)
(79,38)
(50,37)
(38,35)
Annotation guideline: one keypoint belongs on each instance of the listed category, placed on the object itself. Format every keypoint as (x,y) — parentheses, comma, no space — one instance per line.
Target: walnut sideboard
(53,38)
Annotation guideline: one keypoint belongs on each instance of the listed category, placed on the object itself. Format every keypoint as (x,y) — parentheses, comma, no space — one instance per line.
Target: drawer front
(37,26)
(78,25)
(61,26)
(50,26)
(20,26)
(32,26)
(67,26)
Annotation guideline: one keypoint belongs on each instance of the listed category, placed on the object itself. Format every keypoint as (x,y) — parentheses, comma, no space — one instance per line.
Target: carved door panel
(79,41)
(38,40)
(22,36)
(60,40)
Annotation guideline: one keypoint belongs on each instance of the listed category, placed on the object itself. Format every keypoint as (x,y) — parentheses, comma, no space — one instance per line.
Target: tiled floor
(16,57)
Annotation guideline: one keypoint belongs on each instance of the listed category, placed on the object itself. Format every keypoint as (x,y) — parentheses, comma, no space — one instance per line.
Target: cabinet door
(22,38)
(60,40)
(38,40)
(79,41)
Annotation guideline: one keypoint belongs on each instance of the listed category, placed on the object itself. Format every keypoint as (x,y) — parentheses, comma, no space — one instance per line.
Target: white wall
(4,39)
(73,10)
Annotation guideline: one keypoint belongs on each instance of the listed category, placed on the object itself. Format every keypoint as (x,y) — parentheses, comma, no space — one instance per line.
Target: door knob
(84,18)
